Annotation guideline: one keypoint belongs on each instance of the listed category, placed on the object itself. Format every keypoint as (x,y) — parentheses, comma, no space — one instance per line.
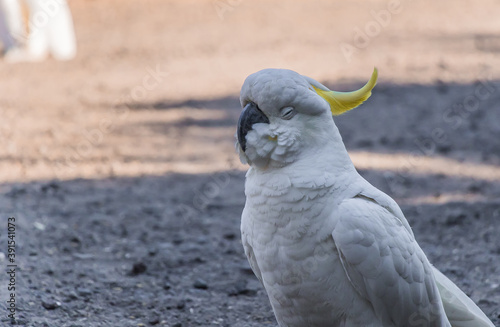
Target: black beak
(251,115)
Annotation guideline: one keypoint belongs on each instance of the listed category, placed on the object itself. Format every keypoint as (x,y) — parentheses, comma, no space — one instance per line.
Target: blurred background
(120,164)
(172,64)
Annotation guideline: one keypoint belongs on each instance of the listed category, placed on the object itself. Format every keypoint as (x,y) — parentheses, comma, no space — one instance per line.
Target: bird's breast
(287,206)
(288,224)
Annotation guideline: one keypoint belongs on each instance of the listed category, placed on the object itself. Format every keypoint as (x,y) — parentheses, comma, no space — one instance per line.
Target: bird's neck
(328,155)
(323,152)
(329,161)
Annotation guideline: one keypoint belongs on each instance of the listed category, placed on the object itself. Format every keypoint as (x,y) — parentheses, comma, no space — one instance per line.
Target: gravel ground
(139,225)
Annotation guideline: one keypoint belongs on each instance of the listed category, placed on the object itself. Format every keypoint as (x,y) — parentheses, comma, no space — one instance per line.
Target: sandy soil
(120,169)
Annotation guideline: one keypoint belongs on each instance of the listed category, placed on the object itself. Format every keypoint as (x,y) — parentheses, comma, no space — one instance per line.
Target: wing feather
(386,266)
(460,309)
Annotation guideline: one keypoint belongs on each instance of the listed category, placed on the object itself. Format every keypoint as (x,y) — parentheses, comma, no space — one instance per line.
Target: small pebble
(51,304)
(38,225)
(152,251)
(246,270)
(455,218)
(154,320)
(200,284)
(240,288)
(84,291)
(181,305)
(71,295)
(137,269)
(230,236)
(178,241)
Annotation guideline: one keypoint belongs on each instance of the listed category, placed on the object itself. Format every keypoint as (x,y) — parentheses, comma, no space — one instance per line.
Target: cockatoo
(50,31)
(329,248)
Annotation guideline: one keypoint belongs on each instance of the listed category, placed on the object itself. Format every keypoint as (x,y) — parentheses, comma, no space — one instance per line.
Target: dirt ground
(119,166)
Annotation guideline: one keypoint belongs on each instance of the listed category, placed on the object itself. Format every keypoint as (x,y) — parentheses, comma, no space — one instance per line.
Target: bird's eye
(287,113)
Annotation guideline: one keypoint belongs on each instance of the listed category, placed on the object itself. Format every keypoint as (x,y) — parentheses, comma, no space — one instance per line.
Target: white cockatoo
(11,25)
(50,32)
(329,248)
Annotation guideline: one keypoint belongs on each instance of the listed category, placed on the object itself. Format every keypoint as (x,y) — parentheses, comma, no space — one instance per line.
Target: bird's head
(286,115)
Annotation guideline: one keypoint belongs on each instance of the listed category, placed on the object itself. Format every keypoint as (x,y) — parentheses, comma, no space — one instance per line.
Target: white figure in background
(51,29)
(50,32)
(11,25)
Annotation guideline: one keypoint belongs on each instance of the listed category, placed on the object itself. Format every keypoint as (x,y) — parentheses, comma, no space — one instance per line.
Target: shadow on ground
(458,121)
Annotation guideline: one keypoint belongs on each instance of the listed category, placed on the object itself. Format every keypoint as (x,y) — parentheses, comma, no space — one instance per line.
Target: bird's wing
(386,265)
(460,309)
(251,258)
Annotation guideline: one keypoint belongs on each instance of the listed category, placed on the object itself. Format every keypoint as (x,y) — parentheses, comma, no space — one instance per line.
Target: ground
(119,166)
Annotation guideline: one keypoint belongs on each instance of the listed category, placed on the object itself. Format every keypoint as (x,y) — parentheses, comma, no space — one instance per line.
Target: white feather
(329,248)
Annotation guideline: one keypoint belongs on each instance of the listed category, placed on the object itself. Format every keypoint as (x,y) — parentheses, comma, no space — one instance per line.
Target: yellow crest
(341,102)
